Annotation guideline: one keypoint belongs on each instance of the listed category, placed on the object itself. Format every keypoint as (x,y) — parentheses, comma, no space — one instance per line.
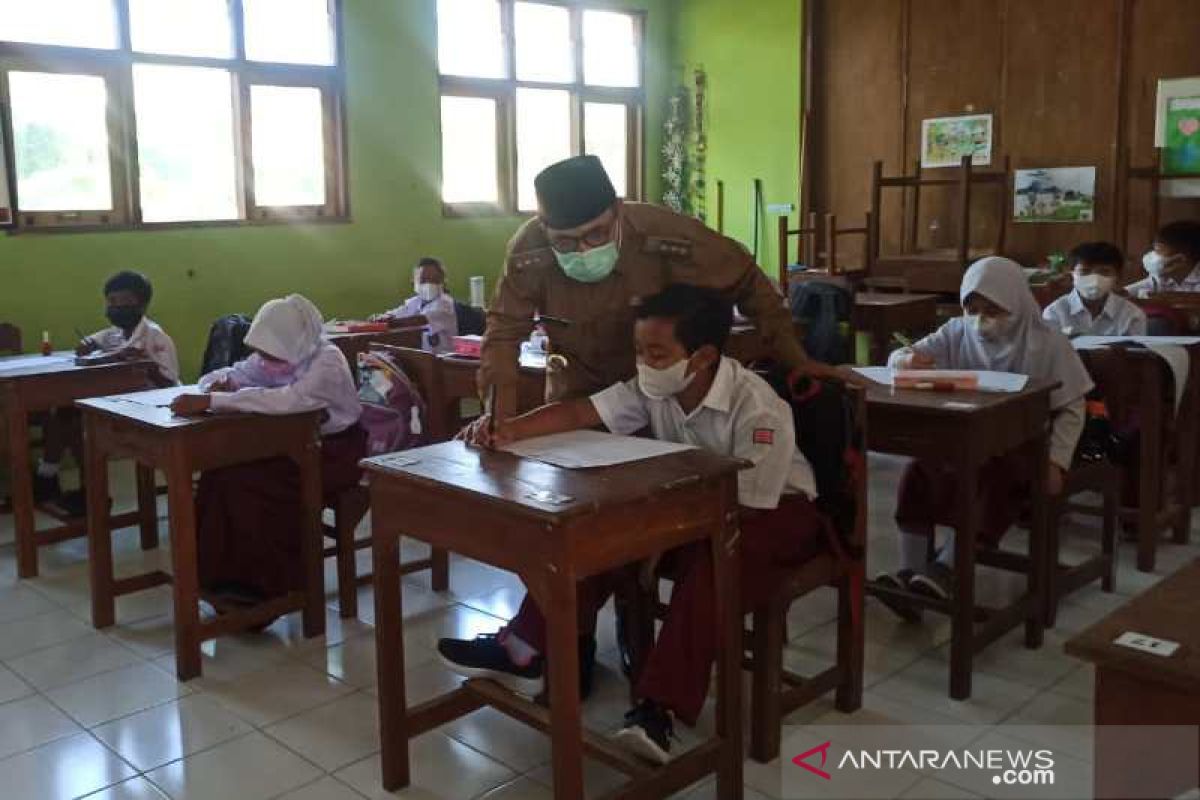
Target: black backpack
(226,343)
(823,415)
(471,320)
(825,309)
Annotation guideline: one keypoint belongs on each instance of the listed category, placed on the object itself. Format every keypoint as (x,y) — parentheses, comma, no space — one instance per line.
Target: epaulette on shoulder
(668,246)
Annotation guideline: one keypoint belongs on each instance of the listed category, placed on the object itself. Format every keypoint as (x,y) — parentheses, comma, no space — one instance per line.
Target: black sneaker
(648,732)
(936,580)
(485,657)
(45,488)
(898,581)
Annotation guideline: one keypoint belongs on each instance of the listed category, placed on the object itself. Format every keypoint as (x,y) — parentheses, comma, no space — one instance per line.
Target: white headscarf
(289,328)
(1029,346)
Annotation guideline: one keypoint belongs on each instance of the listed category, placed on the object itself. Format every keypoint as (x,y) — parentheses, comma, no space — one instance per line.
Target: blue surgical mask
(592,266)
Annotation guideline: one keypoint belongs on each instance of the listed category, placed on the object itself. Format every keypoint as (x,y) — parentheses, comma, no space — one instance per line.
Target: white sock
(946,556)
(518,649)
(912,550)
(46,469)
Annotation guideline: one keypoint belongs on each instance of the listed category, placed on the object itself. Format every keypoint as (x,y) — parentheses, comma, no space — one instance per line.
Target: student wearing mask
(1093,308)
(1001,329)
(684,391)
(1173,264)
(430,301)
(132,335)
(248,515)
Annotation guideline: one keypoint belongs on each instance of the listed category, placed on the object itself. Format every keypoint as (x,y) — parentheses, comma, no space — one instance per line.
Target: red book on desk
(938,380)
(469,346)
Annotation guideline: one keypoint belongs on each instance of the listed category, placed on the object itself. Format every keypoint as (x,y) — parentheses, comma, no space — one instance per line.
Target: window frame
(504,92)
(116,66)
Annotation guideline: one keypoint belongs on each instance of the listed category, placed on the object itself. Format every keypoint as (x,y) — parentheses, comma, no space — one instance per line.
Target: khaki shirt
(658,248)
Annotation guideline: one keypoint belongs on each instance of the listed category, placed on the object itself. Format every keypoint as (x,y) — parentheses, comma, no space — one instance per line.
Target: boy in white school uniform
(1092,308)
(1173,264)
(685,391)
(430,301)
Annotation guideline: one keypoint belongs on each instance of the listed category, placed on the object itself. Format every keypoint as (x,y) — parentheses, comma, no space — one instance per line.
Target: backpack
(823,415)
(471,320)
(226,343)
(825,309)
(393,411)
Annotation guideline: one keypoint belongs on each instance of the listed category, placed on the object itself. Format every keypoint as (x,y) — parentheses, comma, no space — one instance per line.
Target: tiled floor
(100,714)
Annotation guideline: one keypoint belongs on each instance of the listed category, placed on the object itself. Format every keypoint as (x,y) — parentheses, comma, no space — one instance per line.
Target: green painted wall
(751,54)
(52,281)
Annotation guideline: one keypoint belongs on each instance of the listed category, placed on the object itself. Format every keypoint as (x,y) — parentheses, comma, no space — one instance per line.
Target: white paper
(988,381)
(155,398)
(1168,348)
(583,449)
(25,362)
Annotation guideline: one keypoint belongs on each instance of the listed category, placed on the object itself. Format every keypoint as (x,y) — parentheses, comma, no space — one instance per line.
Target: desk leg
(962,619)
(1150,495)
(566,717)
(147,507)
(100,557)
(182,515)
(725,550)
(22,488)
(389,649)
(1043,559)
(312,547)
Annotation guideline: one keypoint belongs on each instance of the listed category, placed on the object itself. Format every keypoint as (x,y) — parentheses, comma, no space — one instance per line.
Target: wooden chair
(807,246)
(350,506)
(939,269)
(832,233)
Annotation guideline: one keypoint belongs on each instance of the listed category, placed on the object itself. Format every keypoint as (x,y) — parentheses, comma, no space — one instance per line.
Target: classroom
(564,399)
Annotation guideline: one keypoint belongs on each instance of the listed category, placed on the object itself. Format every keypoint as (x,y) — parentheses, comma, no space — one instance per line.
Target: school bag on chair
(824,308)
(393,411)
(226,343)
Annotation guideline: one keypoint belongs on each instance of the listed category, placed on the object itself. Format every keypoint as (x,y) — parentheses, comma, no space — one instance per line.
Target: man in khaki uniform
(586,260)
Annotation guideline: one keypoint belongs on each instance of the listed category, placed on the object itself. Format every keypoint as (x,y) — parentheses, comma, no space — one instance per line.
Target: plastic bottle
(47,348)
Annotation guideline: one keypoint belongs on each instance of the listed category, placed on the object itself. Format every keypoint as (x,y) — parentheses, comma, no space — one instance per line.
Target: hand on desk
(915,360)
(86,347)
(191,405)
(221,385)
(481,434)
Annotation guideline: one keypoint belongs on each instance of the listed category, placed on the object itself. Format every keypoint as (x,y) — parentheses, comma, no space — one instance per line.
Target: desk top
(892,299)
(152,410)
(31,365)
(546,492)
(1166,611)
(955,404)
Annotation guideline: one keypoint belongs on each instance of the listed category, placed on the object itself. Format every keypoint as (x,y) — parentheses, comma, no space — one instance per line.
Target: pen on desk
(541,319)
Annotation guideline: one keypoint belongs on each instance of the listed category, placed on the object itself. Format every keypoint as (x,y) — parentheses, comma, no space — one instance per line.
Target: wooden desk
(351,344)
(920,425)
(1136,688)
(482,505)
(881,314)
(135,426)
(27,386)
(1138,384)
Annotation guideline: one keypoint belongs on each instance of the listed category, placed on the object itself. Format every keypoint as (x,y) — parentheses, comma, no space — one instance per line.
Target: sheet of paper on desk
(988,381)
(25,362)
(583,449)
(156,398)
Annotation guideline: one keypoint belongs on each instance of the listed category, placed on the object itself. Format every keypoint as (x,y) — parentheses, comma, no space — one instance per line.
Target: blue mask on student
(592,266)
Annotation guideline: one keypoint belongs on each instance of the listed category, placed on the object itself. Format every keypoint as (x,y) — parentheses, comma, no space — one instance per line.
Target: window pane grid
(201,170)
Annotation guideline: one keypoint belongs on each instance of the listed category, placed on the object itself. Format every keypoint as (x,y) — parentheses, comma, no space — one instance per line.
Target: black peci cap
(573,192)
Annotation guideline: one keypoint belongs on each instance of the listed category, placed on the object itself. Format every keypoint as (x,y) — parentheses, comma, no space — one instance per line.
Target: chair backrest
(806,249)
(833,233)
(226,343)
(422,368)
(10,339)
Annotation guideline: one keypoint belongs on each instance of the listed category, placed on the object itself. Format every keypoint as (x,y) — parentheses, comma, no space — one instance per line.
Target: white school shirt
(741,417)
(1119,317)
(443,321)
(323,381)
(1153,285)
(148,337)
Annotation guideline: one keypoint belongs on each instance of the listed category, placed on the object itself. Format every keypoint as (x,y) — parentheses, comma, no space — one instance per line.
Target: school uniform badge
(764,436)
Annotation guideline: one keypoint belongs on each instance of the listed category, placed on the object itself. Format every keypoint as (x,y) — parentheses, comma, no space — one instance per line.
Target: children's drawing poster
(1056,194)
(945,140)
(1177,132)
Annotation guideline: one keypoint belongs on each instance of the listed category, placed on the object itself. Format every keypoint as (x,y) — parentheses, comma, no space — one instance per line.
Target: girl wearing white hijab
(247,515)
(1002,330)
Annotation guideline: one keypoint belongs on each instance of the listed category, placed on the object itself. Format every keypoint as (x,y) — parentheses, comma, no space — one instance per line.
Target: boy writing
(686,392)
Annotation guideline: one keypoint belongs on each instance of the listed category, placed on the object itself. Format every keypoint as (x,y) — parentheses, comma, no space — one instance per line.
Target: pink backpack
(393,412)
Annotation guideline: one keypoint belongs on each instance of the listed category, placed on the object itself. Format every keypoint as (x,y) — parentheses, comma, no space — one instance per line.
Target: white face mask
(1155,263)
(987,328)
(659,384)
(1093,287)
(428,292)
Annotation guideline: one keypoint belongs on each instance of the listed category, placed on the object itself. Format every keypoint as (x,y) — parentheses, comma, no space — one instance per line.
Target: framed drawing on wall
(1177,132)
(945,140)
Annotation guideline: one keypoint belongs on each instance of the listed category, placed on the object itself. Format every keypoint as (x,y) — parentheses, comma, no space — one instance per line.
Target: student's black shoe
(647,733)
(937,581)
(45,488)
(485,657)
(900,607)
(73,504)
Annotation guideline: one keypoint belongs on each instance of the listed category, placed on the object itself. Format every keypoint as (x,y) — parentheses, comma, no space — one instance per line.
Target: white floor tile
(499,736)
(62,770)
(520,789)
(31,722)
(134,607)
(324,789)
(133,789)
(334,735)
(442,769)
(250,768)
(19,602)
(262,698)
(168,732)
(927,684)
(23,636)
(933,789)
(11,686)
(72,661)
(115,694)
